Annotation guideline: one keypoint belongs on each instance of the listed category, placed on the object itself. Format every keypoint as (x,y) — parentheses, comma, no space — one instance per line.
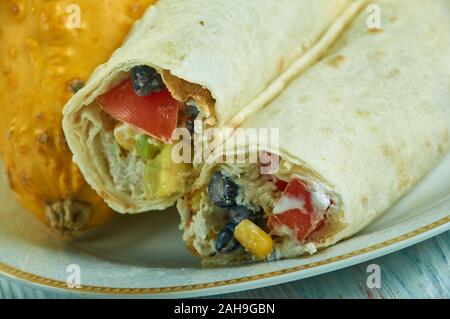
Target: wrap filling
(241,211)
(142,112)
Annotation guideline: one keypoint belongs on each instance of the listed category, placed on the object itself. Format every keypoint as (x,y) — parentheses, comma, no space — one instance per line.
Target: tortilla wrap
(223,54)
(366,124)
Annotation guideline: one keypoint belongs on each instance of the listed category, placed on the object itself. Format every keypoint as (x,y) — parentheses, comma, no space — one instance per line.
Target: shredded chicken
(126,168)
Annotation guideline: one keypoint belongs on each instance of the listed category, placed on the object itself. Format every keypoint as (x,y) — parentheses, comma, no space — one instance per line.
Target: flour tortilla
(232,49)
(368,121)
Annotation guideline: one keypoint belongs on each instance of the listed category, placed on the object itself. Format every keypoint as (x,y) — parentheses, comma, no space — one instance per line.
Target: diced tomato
(299,220)
(296,189)
(281,185)
(155,114)
(296,220)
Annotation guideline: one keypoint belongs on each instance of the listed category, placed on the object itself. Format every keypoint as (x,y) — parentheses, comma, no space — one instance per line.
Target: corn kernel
(255,240)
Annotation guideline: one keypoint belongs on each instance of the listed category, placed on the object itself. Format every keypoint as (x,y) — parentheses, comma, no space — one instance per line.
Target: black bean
(239,213)
(192,111)
(225,241)
(222,191)
(146,80)
(190,126)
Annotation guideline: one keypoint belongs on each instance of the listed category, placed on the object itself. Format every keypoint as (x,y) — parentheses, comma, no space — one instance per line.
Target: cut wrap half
(188,60)
(357,131)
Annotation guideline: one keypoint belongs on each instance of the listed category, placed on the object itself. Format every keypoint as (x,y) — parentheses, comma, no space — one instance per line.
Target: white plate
(143,256)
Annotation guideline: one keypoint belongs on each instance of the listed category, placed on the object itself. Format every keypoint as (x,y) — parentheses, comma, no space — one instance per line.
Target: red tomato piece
(301,221)
(297,189)
(296,220)
(281,185)
(156,114)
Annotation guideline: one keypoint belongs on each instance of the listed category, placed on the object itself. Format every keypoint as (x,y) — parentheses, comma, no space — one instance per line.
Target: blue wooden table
(420,271)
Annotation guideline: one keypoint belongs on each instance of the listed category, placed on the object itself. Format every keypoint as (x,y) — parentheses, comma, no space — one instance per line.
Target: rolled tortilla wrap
(357,131)
(214,56)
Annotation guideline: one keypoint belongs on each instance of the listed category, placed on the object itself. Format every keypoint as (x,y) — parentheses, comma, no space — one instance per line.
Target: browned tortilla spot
(405,182)
(388,152)
(280,65)
(364,200)
(304,98)
(362,113)
(182,91)
(393,73)
(376,30)
(327,131)
(337,61)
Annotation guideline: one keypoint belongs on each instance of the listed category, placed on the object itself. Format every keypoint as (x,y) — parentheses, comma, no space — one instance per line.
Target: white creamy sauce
(288,203)
(320,201)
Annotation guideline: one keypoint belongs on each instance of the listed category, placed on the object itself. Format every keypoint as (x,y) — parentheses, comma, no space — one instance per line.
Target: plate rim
(53,284)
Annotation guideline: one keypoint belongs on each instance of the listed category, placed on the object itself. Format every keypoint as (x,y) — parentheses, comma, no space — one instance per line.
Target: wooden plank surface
(420,271)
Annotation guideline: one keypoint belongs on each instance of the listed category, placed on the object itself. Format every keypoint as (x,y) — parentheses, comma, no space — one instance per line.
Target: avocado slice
(163,177)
